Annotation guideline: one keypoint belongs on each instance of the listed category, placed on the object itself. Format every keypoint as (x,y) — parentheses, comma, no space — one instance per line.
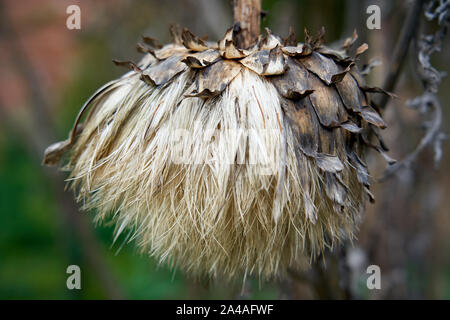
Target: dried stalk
(247,17)
(428,102)
(409,30)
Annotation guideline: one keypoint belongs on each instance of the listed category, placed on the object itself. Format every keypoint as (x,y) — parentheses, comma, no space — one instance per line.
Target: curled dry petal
(276,64)
(228,48)
(371,115)
(291,39)
(162,72)
(266,62)
(363,48)
(357,76)
(212,80)
(315,43)
(378,144)
(335,189)
(293,84)
(362,171)
(339,76)
(152,42)
(175,32)
(327,103)
(386,157)
(202,59)
(351,126)
(350,94)
(339,55)
(192,42)
(301,50)
(304,124)
(271,41)
(329,163)
(127,64)
(348,43)
(325,68)
(378,90)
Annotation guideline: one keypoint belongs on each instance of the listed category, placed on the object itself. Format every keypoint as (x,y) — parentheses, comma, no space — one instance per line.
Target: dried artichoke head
(229,161)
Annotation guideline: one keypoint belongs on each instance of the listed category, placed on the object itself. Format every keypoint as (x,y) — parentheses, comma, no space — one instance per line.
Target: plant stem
(408,32)
(247,13)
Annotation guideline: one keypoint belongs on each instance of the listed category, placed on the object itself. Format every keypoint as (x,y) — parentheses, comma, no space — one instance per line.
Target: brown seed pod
(225,161)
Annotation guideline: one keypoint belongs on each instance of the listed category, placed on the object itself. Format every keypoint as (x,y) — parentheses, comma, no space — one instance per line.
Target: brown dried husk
(303,103)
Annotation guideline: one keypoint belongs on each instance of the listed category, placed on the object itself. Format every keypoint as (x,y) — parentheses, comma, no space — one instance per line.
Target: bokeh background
(48,71)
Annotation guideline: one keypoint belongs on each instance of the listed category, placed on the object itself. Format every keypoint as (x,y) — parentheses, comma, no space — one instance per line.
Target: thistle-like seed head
(225,161)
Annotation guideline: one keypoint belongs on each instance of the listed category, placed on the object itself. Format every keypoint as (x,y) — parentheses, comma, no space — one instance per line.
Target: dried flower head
(228,161)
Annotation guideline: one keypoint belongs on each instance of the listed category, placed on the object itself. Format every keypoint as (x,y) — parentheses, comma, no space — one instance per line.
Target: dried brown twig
(428,102)
(408,32)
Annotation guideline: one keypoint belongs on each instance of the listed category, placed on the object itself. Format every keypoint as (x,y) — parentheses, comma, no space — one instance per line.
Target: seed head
(228,161)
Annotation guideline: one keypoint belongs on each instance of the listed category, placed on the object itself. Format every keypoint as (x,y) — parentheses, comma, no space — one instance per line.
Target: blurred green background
(48,72)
